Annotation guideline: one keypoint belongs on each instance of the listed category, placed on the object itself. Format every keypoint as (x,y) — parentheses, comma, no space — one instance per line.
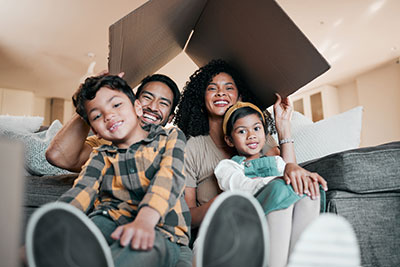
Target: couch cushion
(367,213)
(43,189)
(40,190)
(362,170)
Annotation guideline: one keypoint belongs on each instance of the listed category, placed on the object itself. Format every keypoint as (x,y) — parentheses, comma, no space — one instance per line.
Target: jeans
(163,254)
(185,258)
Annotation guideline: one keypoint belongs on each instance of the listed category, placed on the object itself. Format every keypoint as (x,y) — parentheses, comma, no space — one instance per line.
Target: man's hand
(140,233)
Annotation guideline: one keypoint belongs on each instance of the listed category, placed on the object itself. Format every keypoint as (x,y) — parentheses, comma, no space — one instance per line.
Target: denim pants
(163,254)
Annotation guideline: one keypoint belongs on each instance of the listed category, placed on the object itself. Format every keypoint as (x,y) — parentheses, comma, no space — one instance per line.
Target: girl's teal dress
(275,195)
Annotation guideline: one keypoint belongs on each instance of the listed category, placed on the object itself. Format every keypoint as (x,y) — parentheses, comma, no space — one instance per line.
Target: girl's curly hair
(192,117)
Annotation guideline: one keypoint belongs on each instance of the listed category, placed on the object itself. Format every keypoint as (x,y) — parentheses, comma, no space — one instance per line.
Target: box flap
(256,36)
(261,41)
(150,36)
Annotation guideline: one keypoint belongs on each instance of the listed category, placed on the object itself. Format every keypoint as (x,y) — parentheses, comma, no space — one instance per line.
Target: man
(69,149)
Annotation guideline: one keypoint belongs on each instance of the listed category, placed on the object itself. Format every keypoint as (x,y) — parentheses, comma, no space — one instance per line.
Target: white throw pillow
(21,124)
(35,148)
(299,121)
(334,134)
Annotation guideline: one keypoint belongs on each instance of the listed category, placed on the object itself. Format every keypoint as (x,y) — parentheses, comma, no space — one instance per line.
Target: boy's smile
(248,136)
(115,126)
(113,117)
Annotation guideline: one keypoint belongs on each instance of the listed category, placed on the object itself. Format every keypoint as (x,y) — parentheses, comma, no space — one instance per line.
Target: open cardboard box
(255,36)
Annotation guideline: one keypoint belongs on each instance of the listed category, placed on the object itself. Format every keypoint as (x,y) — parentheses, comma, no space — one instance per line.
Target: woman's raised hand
(282,109)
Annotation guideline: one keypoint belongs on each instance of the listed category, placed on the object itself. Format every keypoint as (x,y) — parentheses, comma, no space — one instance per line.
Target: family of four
(145,189)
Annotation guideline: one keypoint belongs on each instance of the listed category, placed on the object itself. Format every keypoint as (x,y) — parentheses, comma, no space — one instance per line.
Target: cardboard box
(256,36)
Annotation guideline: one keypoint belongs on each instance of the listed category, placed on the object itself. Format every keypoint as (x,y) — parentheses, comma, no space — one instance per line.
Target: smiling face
(113,117)
(220,94)
(247,136)
(156,99)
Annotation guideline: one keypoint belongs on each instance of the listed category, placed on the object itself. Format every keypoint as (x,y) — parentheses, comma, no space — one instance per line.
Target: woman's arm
(197,213)
(68,149)
(283,113)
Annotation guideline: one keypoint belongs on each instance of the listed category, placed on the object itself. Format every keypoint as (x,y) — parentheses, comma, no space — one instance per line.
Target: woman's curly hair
(192,117)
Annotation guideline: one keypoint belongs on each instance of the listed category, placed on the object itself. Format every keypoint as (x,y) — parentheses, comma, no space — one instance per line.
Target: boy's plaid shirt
(148,173)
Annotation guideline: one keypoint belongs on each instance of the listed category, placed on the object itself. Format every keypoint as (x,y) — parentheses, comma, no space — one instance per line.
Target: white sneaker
(233,233)
(58,234)
(327,242)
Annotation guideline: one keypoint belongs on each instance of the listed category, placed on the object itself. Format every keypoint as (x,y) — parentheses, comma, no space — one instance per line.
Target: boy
(133,188)
(158,94)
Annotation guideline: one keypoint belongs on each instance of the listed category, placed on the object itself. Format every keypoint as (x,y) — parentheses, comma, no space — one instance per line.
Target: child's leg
(233,233)
(280,228)
(185,258)
(327,241)
(59,234)
(305,211)
(106,226)
(163,254)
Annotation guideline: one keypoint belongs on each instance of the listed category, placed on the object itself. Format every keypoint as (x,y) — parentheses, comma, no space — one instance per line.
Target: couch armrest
(363,170)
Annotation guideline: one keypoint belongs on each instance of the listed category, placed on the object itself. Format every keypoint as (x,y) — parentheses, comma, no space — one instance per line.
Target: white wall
(25,103)
(330,100)
(41,107)
(16,102)
(347,96)
(69,110)
(378,91)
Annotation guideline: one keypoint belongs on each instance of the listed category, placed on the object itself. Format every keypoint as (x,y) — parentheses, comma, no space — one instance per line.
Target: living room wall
(25,103)
(378,91)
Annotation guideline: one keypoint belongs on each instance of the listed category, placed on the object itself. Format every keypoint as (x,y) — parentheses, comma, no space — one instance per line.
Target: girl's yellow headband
(235,107)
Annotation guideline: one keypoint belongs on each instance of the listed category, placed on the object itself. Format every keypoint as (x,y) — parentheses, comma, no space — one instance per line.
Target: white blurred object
(90,71)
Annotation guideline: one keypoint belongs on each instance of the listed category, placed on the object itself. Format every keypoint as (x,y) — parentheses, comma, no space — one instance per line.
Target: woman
(206,97)
(210,91)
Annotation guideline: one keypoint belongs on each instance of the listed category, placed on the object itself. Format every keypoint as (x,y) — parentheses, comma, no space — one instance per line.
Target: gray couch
(364,187)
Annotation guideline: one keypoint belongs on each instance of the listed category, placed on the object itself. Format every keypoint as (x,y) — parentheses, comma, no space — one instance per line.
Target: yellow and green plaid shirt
(148,173)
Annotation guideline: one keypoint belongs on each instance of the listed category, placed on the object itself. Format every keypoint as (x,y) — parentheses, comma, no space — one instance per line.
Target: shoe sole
(233,233)
(327,242)
(58,234)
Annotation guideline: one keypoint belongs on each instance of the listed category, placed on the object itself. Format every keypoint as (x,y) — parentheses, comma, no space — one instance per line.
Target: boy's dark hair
(88,90)
(168,82)
(240,113)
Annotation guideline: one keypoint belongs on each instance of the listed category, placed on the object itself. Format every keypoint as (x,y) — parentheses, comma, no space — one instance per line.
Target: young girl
(287,213)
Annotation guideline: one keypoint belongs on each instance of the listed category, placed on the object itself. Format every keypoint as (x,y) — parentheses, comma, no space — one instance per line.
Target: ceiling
(46,46)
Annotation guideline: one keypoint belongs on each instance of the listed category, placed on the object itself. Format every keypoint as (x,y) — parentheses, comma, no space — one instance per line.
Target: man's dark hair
(88,90)
(165,80)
